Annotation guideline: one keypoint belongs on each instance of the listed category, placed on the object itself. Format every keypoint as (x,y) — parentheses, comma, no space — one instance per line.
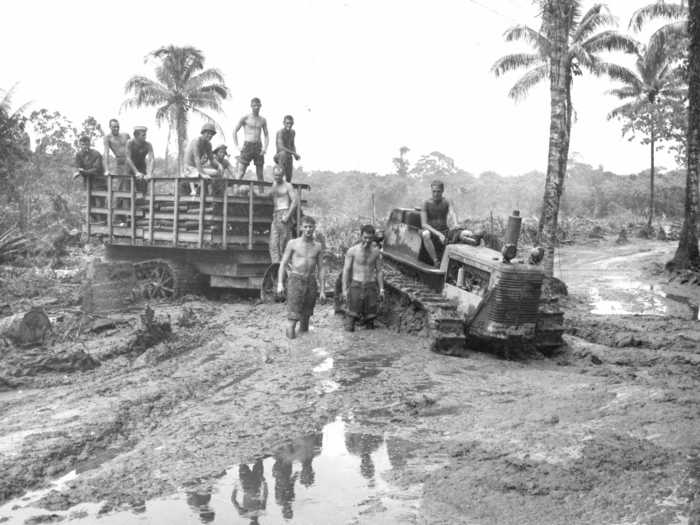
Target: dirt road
(228,422)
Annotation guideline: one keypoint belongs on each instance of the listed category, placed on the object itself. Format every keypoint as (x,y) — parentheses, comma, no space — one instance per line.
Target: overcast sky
(361,77)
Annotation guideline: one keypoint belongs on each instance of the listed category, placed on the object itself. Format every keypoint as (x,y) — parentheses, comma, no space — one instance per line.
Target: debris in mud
(151,332)
(110,286)
(26,328)
(187,318)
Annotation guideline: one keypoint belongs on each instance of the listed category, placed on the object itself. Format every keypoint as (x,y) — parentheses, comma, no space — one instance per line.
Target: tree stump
(26,328)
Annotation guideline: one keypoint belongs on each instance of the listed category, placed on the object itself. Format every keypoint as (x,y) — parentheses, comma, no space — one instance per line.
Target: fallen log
(26,328)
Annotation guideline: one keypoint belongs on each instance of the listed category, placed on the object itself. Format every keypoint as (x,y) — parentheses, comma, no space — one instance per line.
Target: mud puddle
(334,475)
(621,296)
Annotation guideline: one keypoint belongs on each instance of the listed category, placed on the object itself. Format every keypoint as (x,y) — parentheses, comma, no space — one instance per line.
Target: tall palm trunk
(181,128)
(555,15)
(687,251)
(651,174)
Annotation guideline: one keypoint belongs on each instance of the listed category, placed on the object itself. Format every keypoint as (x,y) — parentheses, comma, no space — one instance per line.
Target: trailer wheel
(268,289)
(166,279)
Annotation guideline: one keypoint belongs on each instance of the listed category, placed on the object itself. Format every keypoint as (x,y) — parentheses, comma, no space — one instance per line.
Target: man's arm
(293,145)
(240,124)
(321,273)
(379,273)
(347,270)
(425,225)
(295,201)
(283,266)
(267,136)
(95,167)
(150,161)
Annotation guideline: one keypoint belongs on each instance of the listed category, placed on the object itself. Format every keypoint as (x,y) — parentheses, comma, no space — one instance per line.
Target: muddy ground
(223,420)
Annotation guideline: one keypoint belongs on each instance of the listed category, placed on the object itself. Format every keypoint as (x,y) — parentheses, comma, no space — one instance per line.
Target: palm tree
(182,85)
(687,253)
(656,81)
(567,44)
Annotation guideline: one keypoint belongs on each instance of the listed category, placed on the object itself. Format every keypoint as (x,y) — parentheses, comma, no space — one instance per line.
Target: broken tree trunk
(26,328)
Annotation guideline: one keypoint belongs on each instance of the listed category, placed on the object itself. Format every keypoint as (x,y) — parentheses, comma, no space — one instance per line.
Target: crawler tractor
(479,298)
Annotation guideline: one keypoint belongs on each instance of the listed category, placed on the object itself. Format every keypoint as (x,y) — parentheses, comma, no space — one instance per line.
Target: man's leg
(291,326)
(275,252)
(429,246)
(303,325)
(349,322)
(259,164)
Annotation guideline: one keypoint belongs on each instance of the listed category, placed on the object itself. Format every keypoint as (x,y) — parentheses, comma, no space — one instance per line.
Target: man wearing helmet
(252,150)
(199,158)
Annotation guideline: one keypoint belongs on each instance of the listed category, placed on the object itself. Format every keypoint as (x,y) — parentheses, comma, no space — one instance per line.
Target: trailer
(178,242)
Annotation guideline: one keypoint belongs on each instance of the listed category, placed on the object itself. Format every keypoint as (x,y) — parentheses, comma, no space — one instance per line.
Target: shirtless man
(363,280)
(437,217)
(140,160)
(253,125)
(115,143)
(303,264)
(286,149)
(285,202)
(199,158)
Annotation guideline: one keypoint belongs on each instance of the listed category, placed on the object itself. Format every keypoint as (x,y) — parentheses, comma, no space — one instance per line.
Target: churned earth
(226,421)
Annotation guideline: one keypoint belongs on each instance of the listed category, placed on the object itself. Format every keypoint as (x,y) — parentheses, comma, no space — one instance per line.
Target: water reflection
(251,482)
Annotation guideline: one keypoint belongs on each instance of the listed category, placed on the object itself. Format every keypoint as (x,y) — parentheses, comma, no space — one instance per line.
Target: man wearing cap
(286,149)
(199,158)
(220,154)
(253,150)
(115,143)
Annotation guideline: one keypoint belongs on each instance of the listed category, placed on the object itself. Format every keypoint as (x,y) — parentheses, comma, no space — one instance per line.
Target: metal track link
(413,307)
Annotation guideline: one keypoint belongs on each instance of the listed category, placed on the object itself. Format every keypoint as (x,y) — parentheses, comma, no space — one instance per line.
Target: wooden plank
(202,192)
(133,208)
(160,215)
(151,204)
(298,232)
(110,206)
(224,219)
(176,211)
(250,216)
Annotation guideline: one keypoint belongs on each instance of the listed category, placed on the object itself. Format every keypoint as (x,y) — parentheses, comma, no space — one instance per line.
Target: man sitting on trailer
(437,217)
(306,276)
(199,158)
(363,280)
(285,205)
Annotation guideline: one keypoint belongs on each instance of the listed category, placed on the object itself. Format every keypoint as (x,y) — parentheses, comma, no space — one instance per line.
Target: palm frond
(625,109)
(610,41)
(146,93)
(206,77)
(207,116)
(625,92)
(522,87)
(596,17)
(527,34)
(515,61)
(655,11)
(616,72)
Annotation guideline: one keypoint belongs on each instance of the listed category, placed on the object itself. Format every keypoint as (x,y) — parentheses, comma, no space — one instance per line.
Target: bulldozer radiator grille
(515,299)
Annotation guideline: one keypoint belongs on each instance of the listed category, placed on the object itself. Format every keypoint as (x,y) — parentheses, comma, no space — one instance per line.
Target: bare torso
(305,256)
(364,262)
(253,127)
(281,196)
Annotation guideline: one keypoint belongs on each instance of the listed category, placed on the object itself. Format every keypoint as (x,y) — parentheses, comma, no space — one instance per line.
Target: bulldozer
(478,299)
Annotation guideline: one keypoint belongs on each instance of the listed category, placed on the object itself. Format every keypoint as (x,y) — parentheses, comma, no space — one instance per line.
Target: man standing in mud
(306,276)
(115,143)
(285,203)
(363,280)
(253,150)
(286,149)
(437,217)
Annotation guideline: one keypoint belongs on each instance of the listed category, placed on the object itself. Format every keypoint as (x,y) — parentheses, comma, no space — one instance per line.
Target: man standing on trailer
(140,160)
(115,143)
(253,150)
(306,276)
(363,280)
(286,149)
(89,164)
(285,204)
(199,158)
(437,217)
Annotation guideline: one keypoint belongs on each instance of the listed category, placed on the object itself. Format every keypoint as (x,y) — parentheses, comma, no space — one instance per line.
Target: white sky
(361,77)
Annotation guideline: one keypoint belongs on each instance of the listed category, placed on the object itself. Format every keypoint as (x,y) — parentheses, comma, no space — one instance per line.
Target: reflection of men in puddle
(254,487)
(363,445)
(307,448)
(284,484)
(199,503)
